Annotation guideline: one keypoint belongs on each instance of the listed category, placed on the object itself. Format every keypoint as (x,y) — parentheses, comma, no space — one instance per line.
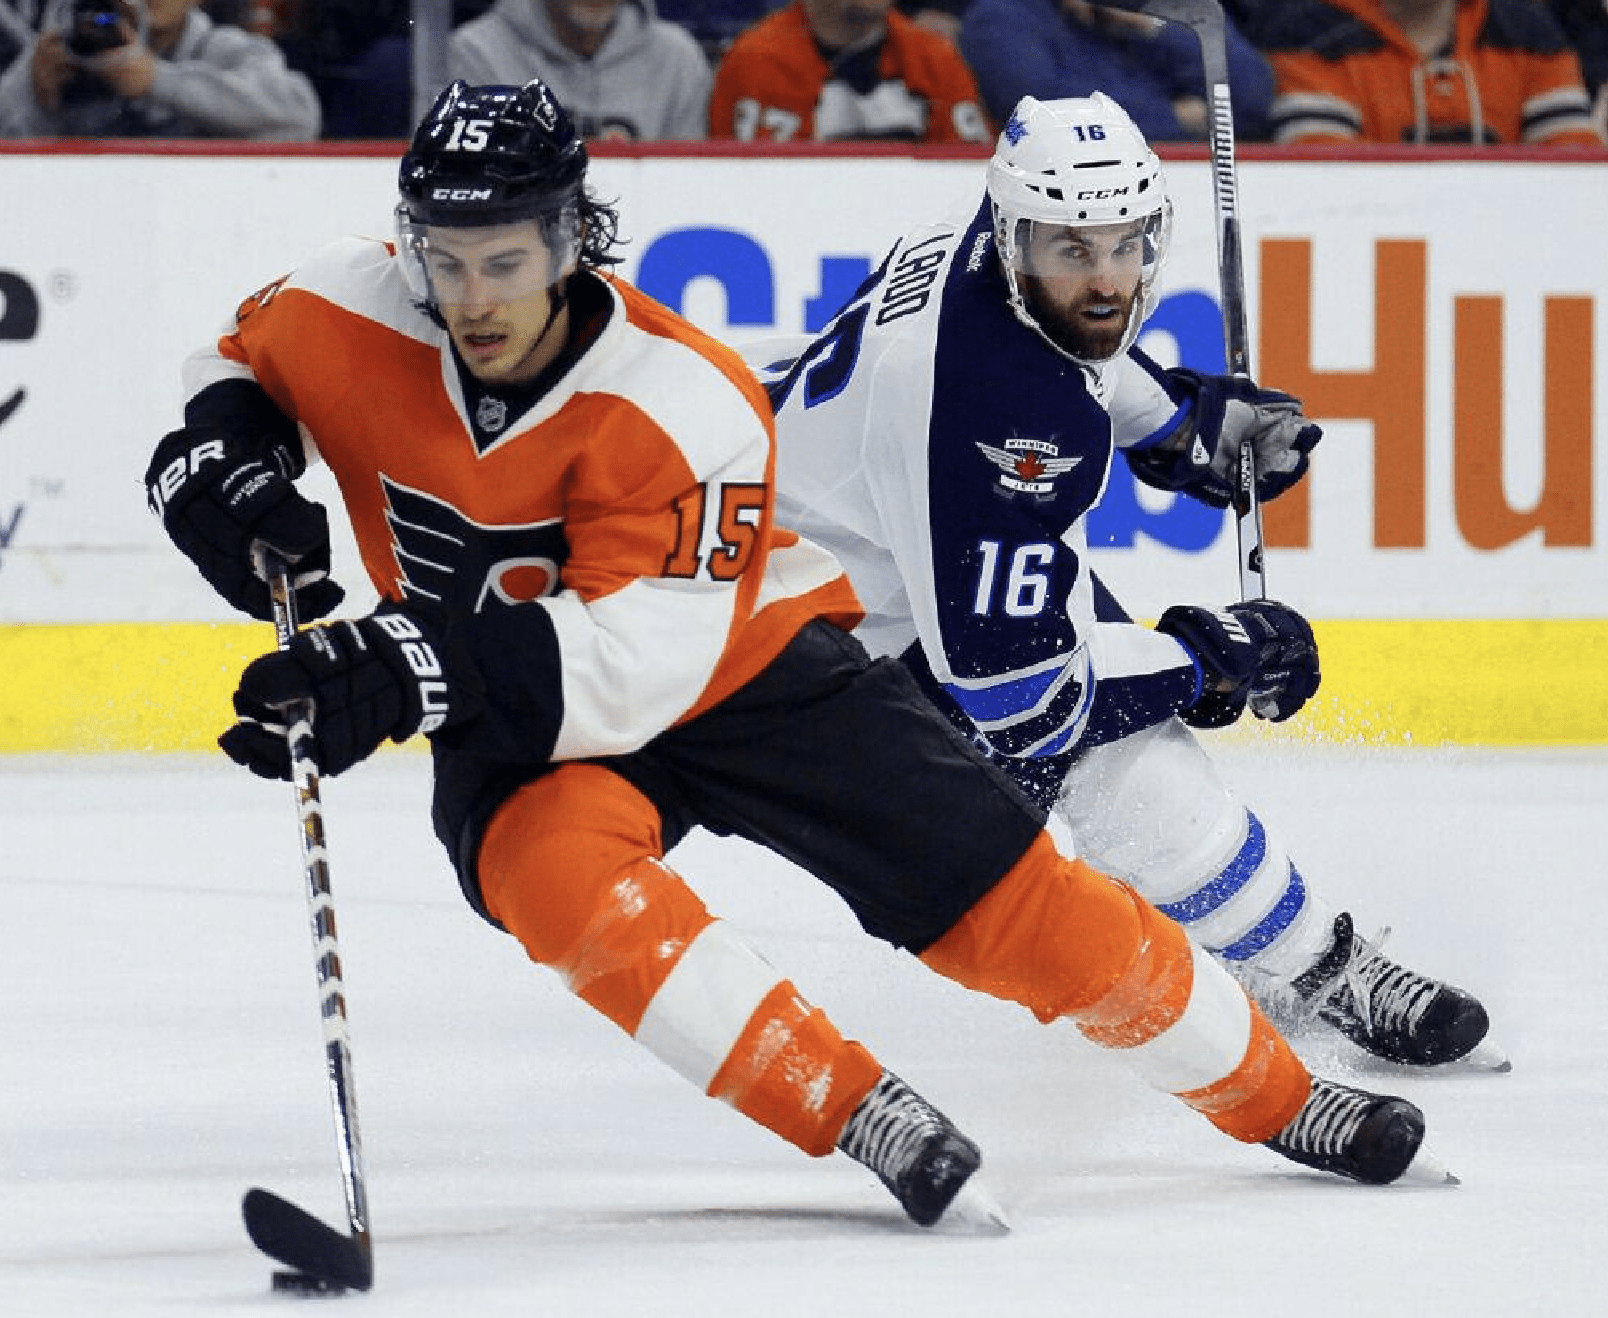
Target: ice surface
(160,1053)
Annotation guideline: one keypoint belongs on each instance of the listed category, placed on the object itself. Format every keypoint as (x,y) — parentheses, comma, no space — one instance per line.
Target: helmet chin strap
(557,299)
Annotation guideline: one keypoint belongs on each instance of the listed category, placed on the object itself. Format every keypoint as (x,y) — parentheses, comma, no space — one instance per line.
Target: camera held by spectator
(97,42)
(97,26)
(152,68)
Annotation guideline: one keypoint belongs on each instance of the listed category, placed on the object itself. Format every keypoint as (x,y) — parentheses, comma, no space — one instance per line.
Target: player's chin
(482,350)
(1092,339)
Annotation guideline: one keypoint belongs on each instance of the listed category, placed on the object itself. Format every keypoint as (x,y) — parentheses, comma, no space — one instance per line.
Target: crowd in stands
(1396,71)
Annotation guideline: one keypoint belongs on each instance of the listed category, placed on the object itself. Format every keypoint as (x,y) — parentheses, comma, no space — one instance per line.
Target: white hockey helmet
(1078,162)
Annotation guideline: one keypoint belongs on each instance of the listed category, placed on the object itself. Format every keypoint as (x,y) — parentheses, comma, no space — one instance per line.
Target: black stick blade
(295,1237)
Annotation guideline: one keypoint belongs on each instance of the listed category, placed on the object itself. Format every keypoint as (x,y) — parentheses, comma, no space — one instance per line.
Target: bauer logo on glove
(365,681)
(434,704)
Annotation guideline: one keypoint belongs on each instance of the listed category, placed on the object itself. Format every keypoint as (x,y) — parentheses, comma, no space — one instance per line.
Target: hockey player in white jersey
(947,434)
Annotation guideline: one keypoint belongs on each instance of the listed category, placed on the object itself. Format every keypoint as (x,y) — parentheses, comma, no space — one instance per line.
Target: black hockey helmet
(498,155)
(493,155)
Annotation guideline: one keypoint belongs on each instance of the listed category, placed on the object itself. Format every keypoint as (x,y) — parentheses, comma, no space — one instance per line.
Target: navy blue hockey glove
(1227,411)
(1260,651)
(219,496)
(376,677)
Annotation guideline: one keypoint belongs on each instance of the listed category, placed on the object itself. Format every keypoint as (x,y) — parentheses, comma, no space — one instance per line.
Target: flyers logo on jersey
(444,557)
(1028,466)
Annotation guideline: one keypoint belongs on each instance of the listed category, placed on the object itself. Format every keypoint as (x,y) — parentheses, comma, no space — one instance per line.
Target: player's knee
(1053,935)
(554,853)
(638,932)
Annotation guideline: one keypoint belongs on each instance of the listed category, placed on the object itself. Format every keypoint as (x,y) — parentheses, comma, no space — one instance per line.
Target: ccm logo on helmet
(1100,194)
(460,194)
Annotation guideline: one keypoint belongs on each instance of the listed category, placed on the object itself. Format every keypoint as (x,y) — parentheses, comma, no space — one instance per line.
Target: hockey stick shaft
(278,1227)
(1205,19)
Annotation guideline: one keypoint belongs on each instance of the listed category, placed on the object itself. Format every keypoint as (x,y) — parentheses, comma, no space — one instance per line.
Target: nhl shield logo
(491,415)
(1028,466)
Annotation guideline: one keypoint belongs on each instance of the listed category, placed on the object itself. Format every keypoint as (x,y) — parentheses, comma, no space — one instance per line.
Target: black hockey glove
(376,677)
(219,496)
(1227,411)
(1258,651)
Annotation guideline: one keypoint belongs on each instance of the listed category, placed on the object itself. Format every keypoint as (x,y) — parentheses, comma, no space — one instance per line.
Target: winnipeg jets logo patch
(1028,466)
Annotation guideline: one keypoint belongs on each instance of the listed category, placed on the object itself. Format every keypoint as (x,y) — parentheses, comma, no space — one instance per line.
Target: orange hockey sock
(570,866)
(1063,939)
(792,1072)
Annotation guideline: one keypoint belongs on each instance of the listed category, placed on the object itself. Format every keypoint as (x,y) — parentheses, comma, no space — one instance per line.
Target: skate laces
(1356,979)
(890,1127)
(1328,1121)
(1387,996)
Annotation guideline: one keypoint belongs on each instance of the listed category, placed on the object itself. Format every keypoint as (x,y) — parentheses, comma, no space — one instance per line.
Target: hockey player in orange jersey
(563,493)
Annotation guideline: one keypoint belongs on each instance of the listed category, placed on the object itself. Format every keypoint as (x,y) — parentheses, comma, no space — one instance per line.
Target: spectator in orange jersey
(1482,71)
(1585,24)
(840,70)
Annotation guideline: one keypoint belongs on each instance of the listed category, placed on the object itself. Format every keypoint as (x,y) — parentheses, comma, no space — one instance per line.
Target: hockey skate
(1372,1138)
(1391,1011)
(919,1155)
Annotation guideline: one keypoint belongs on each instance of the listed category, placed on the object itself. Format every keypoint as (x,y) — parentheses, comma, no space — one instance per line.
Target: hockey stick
(1205,19)
(323,1258)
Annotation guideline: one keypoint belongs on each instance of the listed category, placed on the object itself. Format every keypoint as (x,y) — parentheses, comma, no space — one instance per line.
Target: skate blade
(1486,1056)
(974,1212)
(1426,1170)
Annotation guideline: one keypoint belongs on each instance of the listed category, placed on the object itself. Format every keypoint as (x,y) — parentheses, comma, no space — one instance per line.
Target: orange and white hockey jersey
(774,85)
(610,558)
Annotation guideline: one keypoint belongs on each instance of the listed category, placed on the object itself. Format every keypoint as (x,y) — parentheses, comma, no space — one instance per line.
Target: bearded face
(1081,284)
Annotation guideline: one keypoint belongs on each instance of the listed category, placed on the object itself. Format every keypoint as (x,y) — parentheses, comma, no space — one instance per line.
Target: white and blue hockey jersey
(947,454)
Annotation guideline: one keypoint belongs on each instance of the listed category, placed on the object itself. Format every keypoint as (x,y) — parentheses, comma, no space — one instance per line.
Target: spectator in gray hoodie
(620,69)
(18,20)
(160,68)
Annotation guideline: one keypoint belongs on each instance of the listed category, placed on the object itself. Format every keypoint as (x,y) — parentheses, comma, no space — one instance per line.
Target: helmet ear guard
(1074,163)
